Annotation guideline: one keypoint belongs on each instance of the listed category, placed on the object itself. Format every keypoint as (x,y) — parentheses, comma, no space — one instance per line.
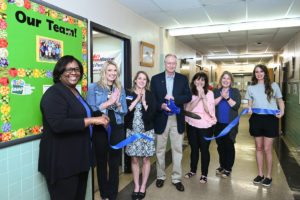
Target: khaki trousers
(176,146)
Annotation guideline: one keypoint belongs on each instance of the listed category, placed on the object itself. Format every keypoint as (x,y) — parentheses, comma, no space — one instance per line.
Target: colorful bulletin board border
(25,67)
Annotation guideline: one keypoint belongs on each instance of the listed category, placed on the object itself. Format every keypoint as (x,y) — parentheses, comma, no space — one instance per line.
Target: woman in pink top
(203,104)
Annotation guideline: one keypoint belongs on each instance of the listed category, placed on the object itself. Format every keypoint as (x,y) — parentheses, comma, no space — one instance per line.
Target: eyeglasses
(69,70)
(171,63)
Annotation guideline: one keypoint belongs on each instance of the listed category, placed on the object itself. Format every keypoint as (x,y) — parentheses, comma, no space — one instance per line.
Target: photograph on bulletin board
(33,36)
(48,49)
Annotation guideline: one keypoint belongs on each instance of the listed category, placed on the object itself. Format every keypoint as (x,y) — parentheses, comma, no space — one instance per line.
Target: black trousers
(108,180)
(197,141)
(70,188)
(226,148)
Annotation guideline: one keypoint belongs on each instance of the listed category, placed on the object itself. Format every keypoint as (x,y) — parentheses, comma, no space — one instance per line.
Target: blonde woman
(108,96)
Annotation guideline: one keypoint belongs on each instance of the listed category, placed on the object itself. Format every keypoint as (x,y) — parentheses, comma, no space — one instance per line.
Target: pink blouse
(207,119)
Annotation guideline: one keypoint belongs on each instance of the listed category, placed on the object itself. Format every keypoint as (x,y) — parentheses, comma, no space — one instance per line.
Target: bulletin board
(33,36)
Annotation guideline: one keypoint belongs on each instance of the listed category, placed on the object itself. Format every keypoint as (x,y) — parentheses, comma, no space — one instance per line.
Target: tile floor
(238,187)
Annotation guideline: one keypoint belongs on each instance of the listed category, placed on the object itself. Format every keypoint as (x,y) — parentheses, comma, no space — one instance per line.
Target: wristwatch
(228,99)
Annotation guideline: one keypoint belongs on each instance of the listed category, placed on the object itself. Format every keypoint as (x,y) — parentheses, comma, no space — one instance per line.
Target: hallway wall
(292,111)
(171,45)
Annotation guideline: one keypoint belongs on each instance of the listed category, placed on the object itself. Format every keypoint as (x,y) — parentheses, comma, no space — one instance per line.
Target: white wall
(113,15)
(183,51)
(171,45)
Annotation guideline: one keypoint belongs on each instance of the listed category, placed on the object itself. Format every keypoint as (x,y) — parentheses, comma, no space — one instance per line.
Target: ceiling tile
(267,9)
(262,31)
(217,2)
(161,19)
(211,41)
(141,6)
(232,12)
(167,5)
(295,10)
(234,34)
(187,13)
(235,40)
(282,37)
(191,17)
(261,38)
(235,47)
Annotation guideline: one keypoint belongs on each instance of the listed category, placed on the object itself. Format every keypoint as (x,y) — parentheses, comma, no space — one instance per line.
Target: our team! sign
(32,38)
(22,18)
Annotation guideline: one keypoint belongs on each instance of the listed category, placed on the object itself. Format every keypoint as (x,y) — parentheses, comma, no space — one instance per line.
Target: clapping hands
(114,97)
(225,93)
(200,90)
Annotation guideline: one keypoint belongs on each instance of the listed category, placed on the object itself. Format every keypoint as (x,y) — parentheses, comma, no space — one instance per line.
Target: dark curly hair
(268,88)
(197,76)
(60,67)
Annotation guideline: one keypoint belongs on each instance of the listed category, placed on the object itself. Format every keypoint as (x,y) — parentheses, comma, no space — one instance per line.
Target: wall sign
(33,36)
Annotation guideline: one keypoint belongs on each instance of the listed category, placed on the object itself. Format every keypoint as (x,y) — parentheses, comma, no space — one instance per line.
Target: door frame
(126,49)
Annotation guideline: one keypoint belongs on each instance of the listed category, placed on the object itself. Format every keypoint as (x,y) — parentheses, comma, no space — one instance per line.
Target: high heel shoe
(142,195)
(135,195)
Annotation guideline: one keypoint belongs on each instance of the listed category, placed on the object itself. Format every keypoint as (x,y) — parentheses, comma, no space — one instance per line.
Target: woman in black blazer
(65,149)
(139,119)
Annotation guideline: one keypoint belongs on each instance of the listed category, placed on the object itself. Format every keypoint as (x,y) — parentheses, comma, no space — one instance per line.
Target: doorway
(242,81)
(108,44)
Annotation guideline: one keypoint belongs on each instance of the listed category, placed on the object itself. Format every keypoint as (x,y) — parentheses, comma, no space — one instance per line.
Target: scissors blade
(190,114)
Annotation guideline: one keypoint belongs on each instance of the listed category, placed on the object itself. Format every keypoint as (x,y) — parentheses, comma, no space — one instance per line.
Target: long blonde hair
(103,82)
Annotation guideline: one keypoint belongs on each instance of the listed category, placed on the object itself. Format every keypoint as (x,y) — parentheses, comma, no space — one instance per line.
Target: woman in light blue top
(109,97)
(262,94)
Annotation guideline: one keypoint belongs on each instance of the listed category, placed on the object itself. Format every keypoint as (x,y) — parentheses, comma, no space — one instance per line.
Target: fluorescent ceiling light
(255,56)
(198,30)
(238,66)
(278,23)
(222,57)
(218,57)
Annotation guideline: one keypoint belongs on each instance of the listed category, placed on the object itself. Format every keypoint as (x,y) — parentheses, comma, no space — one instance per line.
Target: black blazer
(146,115)
(65,148)
(181,94)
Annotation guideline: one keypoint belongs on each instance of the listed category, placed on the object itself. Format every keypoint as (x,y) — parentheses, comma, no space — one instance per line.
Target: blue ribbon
(127,141)
(234,122)
(174,109)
